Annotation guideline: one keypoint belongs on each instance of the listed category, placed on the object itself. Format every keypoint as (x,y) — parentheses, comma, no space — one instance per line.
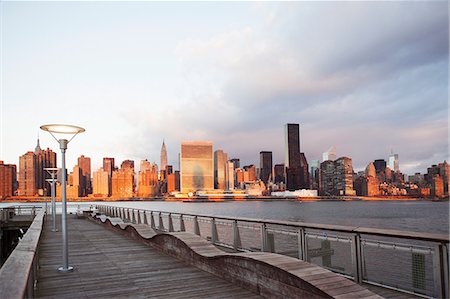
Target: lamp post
(53,172)
(70,130)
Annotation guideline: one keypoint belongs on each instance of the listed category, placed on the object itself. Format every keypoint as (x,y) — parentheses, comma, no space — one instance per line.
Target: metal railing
(411,262)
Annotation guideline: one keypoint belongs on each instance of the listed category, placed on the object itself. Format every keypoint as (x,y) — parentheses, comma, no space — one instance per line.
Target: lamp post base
(64,270)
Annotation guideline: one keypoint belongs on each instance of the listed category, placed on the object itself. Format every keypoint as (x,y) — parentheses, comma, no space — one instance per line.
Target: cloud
(363,76)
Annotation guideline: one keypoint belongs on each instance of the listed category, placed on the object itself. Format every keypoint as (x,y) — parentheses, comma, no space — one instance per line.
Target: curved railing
(18,274)
(411,262)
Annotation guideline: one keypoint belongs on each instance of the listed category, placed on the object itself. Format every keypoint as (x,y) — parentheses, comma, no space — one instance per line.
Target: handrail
(356,237)
(19,273)
(412,235)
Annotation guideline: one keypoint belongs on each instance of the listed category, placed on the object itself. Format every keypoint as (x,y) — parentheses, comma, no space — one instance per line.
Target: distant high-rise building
(249,173)
(44,159)
(147,180)
(380,165)
(265,166)
(304,172)
(27,174)
(173,182)
(370,170)
(292,156)
(85,181)
(229,175)
(163,157)
(196,166)
(127,164)
(236,163)
(314,167)
(100,183)
(336,177)
(122,181)
(297,172)
(220,160)
(443,170)
(393,162)
(279,170)
(330,154)
(7,180)
(109,167)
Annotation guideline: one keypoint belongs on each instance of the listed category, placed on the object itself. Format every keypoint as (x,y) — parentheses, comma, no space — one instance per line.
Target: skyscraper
(229,175)
(7,180)
(336,177)
(108,166)
(163,157)
(265,165)
(296,176)
(220,160)
(100,183)
(196,166)
(330,154)
(380,165)
(147,179)
(85,181)
(27,174)
(393,162)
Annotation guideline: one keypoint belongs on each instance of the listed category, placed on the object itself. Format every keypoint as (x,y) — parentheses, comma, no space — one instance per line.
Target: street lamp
(70,130)
(53,171)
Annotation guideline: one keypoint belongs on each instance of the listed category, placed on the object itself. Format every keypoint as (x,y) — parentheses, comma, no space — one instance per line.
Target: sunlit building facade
(196,166)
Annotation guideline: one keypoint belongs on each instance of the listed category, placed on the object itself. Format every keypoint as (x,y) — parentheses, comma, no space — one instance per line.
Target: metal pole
(53,203)
(65,267)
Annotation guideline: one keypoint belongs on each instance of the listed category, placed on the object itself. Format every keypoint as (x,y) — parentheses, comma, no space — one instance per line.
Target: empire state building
(163,157)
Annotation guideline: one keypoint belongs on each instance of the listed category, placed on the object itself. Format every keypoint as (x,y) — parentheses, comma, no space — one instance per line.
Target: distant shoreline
(226,199)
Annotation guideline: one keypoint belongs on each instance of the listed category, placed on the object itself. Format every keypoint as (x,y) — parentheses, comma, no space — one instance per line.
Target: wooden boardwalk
(108,265)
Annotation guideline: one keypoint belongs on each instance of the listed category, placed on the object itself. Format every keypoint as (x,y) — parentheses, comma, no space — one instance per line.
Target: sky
(366,77)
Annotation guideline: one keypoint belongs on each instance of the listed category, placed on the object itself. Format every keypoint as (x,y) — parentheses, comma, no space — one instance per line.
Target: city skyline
(134,74)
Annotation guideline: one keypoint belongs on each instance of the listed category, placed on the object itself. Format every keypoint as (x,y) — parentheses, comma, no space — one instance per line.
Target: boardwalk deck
(108,265)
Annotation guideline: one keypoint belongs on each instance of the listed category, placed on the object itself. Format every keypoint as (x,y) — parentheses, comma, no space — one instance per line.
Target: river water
(420,216)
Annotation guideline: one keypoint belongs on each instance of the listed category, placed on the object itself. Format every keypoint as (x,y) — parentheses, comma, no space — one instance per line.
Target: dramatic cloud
(366,77)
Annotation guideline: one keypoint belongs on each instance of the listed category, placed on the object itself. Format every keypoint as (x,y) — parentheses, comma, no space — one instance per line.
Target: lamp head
(62,129)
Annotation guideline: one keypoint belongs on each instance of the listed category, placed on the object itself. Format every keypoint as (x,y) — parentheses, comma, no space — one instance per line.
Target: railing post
(152,220)
(196,227)
(440,266)
(214,234)
(145,218)
(170,223)
(182,227)
(161,223)
(264,238)
(357,258)
(302,245)
(138,217)
(236,237)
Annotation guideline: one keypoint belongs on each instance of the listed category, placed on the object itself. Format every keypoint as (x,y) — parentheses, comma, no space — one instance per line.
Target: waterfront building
(220,160)
(239,182)
(279,171)
(330,154)
(367,186)
(7,180)
(380,165)
(236,163)
(437,186)
(229,175)
(100,183)
(122,182)
(73,187)
(304,172)
(173,182)
(393,162)
(27,174)
(443,169)
(265,165)
(292,156)
(163,157)
(249,173)
(370,170)
(196,166)
(336,177)
(147,180)
(109,167)
(85,181)
(44,159)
